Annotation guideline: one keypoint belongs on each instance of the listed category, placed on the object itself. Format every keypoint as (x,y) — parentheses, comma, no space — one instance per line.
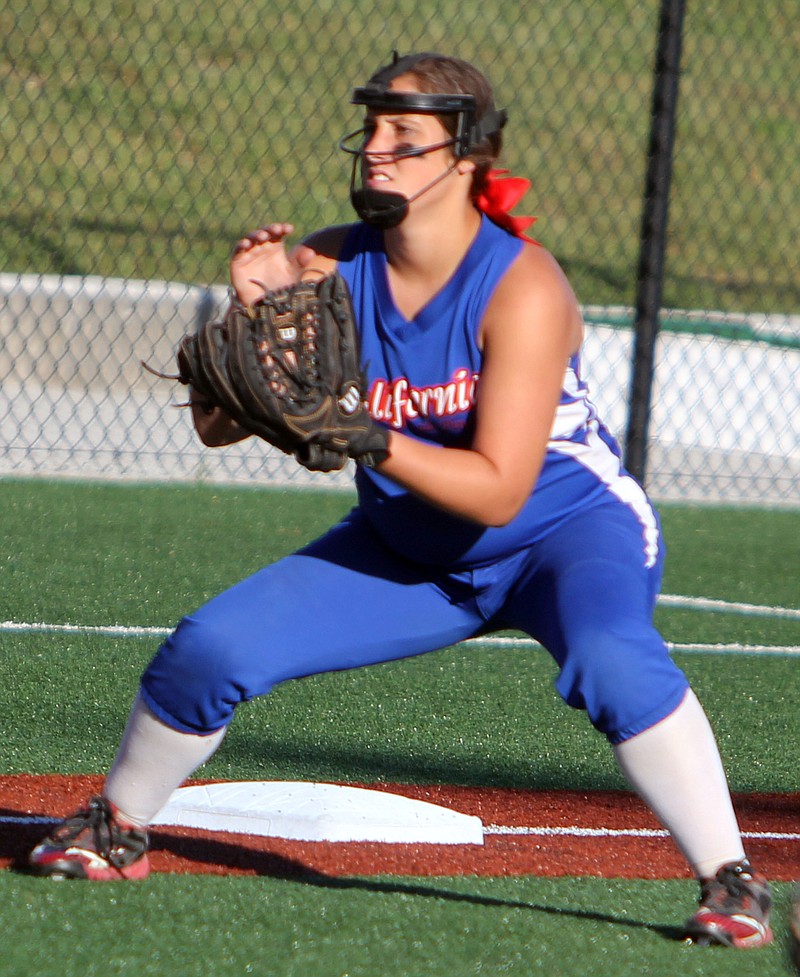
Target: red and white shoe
(734,909)
(93,844)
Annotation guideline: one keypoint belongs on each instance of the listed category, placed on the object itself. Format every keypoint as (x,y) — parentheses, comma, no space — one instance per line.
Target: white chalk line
(123,631)
(734,648)
(572,831)
(577,832)
(668,600)
(727,607)
(106,630)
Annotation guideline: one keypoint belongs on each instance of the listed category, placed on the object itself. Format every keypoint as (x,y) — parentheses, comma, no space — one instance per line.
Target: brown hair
(440,74)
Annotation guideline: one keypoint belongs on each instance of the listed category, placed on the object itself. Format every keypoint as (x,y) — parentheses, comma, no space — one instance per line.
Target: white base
(318,812)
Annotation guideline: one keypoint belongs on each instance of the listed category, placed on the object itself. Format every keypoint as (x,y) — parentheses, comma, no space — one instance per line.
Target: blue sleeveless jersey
(422,377)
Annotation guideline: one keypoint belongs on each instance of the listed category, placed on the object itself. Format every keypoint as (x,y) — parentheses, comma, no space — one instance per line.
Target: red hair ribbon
(500,194)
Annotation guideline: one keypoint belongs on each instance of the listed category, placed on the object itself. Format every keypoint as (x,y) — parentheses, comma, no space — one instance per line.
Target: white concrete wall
(75,401)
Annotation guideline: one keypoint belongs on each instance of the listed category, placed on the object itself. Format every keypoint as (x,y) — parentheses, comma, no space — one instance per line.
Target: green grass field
(88,554)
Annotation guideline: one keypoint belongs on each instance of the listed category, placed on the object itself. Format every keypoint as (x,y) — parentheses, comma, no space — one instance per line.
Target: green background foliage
(142,140)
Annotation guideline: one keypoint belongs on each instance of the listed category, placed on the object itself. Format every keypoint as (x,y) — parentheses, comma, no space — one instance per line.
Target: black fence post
(652,243)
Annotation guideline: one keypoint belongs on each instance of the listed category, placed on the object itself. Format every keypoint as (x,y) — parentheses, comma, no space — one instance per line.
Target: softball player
(502,504)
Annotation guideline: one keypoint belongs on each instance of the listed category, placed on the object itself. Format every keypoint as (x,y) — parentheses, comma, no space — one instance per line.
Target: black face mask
(385,209)
(379,207)
(382,208)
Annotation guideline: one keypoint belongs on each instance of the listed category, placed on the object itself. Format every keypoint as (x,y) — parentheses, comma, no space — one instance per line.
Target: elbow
(505,495)
(497,520)
(501,511)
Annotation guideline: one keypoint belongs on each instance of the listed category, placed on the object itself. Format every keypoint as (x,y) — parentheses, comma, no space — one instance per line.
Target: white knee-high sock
(153,760)
(676,768)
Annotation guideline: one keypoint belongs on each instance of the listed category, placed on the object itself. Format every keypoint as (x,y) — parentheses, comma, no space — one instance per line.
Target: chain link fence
(140,141)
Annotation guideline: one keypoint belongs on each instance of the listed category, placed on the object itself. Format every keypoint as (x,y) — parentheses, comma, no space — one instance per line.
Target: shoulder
(536,270)
(535,293)
(322,248)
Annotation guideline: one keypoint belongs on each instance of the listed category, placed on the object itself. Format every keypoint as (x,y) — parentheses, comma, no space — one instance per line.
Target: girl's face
(388,136)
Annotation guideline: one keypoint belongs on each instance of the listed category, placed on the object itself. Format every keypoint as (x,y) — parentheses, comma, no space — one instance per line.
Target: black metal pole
(652,243)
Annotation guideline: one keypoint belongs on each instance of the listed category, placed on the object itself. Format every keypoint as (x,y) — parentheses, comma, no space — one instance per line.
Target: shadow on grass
(293,870)
(435,891)
(17,840)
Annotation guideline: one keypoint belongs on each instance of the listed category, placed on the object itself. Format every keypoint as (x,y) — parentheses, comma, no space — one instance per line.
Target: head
(448,89)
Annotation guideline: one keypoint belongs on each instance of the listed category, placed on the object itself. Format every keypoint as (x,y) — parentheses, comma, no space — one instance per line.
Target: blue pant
(347,600)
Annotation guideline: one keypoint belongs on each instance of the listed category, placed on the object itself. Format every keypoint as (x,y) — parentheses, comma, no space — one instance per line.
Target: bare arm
(531,327)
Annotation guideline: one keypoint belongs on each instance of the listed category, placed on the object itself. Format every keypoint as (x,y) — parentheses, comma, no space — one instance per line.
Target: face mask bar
(353,144)
(468,132)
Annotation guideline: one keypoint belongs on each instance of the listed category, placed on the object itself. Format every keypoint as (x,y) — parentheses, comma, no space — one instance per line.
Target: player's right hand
(260,263)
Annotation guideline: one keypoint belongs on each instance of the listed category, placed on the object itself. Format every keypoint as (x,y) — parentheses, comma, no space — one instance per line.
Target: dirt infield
(592,845)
